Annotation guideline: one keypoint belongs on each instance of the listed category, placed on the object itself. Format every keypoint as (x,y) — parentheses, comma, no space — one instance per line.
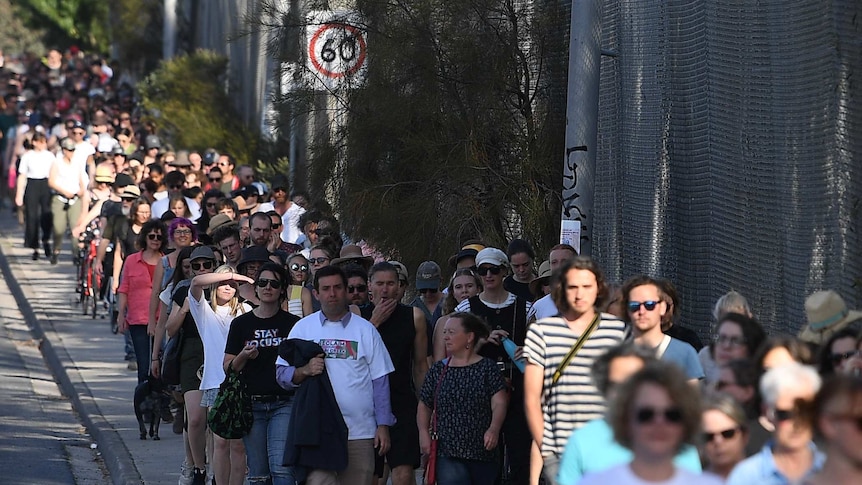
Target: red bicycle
(89,281)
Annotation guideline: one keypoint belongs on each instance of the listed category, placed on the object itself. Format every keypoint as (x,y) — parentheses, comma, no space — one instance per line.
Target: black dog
(151,397)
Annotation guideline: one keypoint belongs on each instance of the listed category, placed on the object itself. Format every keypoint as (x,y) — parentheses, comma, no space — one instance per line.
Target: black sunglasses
(636,305)
(494,270)
(203,264)
(839,358)
(726,434)
(783,414)
(357,289)
(428,290)
(648,415)
(262,282)
(153,237)
(175,187)
(215,179)
(298,267)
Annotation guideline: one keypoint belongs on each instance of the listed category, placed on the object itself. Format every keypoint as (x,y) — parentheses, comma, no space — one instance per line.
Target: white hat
(492,256)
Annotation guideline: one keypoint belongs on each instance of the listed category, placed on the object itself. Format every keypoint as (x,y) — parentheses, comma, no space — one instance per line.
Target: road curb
(117,457)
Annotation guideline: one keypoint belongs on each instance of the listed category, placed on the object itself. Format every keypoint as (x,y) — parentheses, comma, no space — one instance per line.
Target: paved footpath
(86,361)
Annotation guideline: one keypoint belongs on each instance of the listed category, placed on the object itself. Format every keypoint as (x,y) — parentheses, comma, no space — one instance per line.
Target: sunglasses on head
(839,358)
(357,289)
(726,434)
(494,270)
(636,305)
(153,237)
(202,264)
(648,415)
(263,282)
(428,290)
(298,267)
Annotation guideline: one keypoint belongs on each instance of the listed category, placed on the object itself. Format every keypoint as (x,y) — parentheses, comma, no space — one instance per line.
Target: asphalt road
(66,414)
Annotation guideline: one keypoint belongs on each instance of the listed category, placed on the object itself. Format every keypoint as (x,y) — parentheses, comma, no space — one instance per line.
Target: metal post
(581,121)
(169,32)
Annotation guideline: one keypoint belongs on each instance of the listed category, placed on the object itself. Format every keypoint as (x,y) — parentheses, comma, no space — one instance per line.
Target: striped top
(574,400)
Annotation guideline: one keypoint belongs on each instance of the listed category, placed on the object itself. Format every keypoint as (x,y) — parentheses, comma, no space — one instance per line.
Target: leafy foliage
(84,22)
(185,97)
(454,134)
(15,34)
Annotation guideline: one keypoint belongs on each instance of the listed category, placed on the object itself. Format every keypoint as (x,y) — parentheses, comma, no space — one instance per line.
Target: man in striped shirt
(555,409)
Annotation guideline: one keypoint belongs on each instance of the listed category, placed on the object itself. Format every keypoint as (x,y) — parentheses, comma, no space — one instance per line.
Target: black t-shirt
(259,374)
(190,330)
(518,289)
(111,208)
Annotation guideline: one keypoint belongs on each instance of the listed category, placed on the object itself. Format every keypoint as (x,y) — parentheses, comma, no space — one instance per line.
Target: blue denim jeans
(141,343)
(455,471)
(264,444)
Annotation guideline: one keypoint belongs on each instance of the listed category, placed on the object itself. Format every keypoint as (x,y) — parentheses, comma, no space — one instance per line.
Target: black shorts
(404,445)
(191,360)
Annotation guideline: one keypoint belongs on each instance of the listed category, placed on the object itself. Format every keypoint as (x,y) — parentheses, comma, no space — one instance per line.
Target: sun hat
(543,279)
(826,313)
(217,221)
(104,174)
(131,192)
(351,253)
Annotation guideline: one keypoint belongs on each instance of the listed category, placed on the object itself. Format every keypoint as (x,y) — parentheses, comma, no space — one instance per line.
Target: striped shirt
(574,400)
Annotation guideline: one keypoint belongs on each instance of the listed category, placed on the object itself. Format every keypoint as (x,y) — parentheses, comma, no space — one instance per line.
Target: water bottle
(510,348)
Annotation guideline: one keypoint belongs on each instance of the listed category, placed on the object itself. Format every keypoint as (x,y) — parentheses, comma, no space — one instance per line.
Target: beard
(127,211)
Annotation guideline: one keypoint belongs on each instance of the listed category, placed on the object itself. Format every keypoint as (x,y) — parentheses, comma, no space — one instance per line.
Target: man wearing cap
(352,254)
(466,256)
(506,316)
(176,182)
(429,278)
(181,162)
(403,331)
(68,179)
(152,145)
(544,307)
(403,278)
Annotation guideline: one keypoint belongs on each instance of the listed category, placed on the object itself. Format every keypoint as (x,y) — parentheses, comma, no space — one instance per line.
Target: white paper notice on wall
(570,233)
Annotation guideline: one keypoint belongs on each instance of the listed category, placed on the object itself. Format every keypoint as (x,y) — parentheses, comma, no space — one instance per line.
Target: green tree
(84,22)
(453,135)
(15,35)
(186,99)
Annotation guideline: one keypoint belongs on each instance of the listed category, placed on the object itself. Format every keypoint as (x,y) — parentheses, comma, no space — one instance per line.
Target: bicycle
(89,281)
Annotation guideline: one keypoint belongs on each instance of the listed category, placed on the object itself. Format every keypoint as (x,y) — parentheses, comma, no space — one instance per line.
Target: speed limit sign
(337,48)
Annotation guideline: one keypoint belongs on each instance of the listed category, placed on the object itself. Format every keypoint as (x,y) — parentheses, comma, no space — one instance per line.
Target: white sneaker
(186,474)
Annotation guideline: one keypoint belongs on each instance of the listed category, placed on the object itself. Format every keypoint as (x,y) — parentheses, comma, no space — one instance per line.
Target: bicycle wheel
(85,287)
(96,281)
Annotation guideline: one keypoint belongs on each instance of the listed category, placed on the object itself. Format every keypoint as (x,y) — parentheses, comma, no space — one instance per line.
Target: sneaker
(54,258)
(132,365)
(186,474)
(47,247)
(199,477)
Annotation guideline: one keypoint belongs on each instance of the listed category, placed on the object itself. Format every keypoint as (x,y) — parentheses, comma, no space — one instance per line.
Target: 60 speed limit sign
(337,48)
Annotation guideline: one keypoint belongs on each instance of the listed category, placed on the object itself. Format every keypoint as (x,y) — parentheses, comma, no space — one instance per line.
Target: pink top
(137,276)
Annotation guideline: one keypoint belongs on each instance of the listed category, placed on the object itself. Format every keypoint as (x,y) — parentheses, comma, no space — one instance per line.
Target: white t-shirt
(623,475)
(212,327)
(355,355)
(71,175)
(83,151)
(289,232)
(36,165)
(544,307)
(161,206)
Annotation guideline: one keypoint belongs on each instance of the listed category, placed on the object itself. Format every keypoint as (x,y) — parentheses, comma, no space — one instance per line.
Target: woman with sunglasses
(136,286)
(654,414)
(837,354)
(202,261)
(465,284)
(213,318)
(181,234)
(251,350)
(725,434)
(299,297)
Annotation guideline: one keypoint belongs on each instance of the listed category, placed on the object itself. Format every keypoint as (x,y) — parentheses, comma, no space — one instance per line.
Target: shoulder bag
(171,359)
(576,348)
(231,416)
(431,466)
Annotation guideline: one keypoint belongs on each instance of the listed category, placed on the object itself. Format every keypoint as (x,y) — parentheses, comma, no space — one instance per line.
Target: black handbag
(231,415)
(171,359)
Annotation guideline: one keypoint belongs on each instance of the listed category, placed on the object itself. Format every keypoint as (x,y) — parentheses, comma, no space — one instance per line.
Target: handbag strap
(436,392)
(575,349)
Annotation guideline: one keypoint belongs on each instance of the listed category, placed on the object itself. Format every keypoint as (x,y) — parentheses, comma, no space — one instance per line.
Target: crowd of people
(490,366)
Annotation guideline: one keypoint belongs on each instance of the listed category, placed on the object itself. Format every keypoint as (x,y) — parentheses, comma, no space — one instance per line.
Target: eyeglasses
(154,237)
(262,282)
(204,265)
(276,225)
(494,270)
(215,179)
(319,260)
(648,415)
(729,341)
(837,359)
(726,434)
(298,267)
(428,290)
(636,305)
(223,164)
(183,232)
(357,289)
(212,204)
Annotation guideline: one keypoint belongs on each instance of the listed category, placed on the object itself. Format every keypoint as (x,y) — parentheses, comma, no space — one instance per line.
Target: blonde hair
(234,303)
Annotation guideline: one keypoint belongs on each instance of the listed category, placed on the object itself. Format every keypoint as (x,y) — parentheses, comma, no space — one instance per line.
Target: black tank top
(398,333)
(512,319)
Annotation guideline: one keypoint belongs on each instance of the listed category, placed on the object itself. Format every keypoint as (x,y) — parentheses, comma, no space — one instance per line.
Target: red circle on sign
(336,25)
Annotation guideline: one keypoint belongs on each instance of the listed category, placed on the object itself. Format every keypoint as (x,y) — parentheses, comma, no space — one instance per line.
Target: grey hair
(788,376)
(731,302)
(727,405)
(602,366)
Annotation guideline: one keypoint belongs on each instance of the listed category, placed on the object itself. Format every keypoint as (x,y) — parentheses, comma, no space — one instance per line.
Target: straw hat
(543,279)
(827,313)
(351,253)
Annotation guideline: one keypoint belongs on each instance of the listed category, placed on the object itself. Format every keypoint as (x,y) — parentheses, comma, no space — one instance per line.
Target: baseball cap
(67,144)
(491,256)
(403,275)
(202,252)
(104,174)
(428,276)
(152,141)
